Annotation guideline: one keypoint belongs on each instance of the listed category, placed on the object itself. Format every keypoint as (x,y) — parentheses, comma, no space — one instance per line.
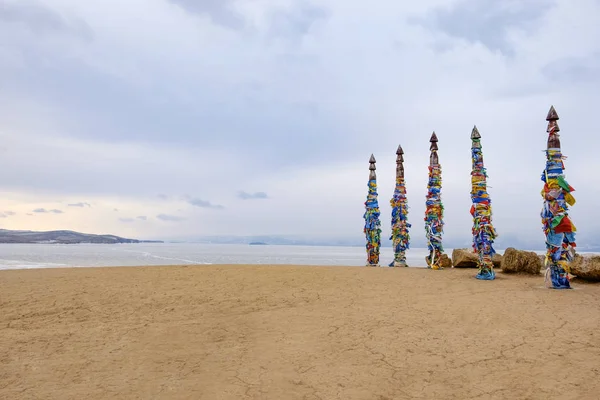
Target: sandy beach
(294,332)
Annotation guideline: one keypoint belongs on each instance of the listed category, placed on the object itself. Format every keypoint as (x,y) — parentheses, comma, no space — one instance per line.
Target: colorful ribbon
(372,228)
(557,226)
(481,210)
(400,226)
(434,212)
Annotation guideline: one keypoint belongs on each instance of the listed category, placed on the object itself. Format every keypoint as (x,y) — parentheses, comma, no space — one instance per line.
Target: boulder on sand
(497,260)
(526,262)
(464,258)
(467,258)
(586,267)
(445,262)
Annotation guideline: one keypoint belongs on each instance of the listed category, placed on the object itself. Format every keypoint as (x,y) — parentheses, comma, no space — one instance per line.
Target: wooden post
(434,213)
(557,225)
(400,226)
(481,210)
(372,227)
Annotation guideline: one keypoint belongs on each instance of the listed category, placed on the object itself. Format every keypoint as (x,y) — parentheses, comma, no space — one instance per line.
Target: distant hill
(63,237)
(529,242)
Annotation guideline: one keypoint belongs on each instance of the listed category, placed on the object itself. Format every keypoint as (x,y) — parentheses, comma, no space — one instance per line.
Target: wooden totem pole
(481,210)
(434,212)
(400,226)
(558,228)
(372,228)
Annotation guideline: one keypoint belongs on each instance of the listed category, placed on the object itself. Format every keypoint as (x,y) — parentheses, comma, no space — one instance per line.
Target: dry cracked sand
(294,332)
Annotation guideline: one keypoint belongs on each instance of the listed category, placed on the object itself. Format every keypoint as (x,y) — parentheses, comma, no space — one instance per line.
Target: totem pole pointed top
(553,129)
(475,133)
(399,155)
(372,161)
(433,158)
(372,168)
(399,161)
(552,114)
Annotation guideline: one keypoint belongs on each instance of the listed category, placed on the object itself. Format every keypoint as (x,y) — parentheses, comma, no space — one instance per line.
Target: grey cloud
(41,19)
(166,217)
(202,203)
(295,119)
(10,213)
(255,121)
(130,220)
(79,205)
(526,89)
(45,211)
(248,196)
(115,209)
(3,215)
(298,21)
(486,21)
(162,196)
(573,70)
(253,112)
(219,11)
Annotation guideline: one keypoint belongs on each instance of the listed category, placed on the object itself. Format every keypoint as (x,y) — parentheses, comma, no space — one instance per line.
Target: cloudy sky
(173,118)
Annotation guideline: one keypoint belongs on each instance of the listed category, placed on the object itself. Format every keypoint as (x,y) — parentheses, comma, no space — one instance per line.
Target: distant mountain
(63,237)
(358,240)
(271,240)
(289,240)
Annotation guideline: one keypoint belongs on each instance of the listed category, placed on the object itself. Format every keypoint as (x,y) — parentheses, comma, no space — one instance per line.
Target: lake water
(20,256)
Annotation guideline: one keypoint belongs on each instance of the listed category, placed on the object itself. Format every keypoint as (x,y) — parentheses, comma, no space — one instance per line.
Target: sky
(166,119)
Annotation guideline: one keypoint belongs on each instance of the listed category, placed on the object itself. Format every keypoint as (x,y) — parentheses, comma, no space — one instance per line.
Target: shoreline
(69,267)
(297,332)
(13,257)
(463,270)
(498,270)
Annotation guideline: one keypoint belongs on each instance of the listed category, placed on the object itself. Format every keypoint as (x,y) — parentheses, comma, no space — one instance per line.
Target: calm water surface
(19,256)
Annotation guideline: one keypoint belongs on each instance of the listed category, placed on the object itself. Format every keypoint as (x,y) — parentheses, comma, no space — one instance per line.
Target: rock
(586,267)
(526,262)
(446,262)
(497,260)
(466,258)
